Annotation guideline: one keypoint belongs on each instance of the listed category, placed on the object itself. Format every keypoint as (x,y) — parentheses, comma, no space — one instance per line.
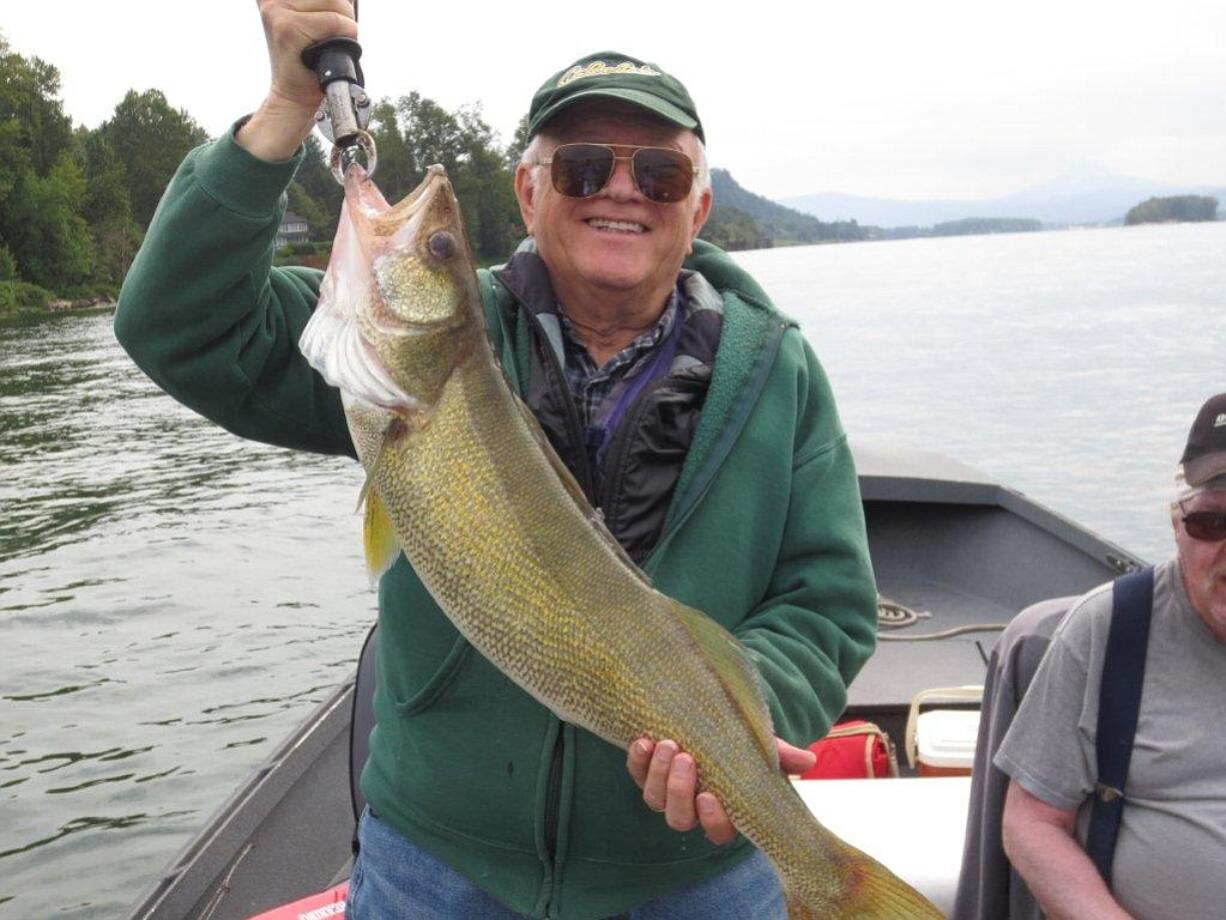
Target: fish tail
(873,893)
(886,905)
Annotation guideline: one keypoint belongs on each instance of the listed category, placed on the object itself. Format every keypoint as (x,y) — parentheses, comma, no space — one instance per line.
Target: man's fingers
(794,759)
(638,758)
(682,779)
(314,6)
(714,820)
(655,788)
(669,779)
(291,25)
(277,7)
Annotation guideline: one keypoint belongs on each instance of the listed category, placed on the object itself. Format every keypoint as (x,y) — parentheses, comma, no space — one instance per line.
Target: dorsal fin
(732,663)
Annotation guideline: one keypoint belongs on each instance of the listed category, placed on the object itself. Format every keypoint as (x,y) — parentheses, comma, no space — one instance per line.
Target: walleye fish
(461,477)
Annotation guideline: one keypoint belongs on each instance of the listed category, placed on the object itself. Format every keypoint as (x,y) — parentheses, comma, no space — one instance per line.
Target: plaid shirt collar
(590,385)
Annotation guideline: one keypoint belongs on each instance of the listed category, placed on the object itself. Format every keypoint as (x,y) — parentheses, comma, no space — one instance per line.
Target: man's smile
(615,226)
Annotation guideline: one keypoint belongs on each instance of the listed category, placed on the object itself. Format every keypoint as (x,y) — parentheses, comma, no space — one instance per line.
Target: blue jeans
(394,879)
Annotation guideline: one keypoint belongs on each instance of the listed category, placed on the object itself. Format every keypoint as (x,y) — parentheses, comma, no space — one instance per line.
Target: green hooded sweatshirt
(765,534)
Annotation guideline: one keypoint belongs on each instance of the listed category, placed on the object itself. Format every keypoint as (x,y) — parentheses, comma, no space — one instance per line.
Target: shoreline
(60,307)
(101,302)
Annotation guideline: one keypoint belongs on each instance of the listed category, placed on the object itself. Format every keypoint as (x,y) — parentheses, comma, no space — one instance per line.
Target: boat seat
(988,886)
(363,719)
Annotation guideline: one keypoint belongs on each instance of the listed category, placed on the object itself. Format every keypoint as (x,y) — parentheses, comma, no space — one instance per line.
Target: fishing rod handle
(346,108)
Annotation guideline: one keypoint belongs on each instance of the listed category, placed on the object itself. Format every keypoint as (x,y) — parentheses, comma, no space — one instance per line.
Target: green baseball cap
(612,75)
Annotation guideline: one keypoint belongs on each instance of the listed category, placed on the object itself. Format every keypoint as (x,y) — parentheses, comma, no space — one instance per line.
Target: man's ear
(523,194)
(701,213)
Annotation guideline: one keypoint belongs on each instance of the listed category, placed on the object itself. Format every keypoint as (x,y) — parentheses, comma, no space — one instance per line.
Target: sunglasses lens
(581,170)
(663,175)
(1209,526)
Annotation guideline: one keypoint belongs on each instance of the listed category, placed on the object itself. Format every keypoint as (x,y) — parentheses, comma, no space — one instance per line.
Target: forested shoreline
(75,202)
(1173,209)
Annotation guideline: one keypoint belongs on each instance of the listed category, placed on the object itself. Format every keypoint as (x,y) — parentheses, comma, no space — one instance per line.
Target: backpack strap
(1119,704)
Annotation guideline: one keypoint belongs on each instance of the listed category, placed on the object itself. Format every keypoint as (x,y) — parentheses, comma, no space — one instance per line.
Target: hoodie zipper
(553,798)
(615,458)
(574,434)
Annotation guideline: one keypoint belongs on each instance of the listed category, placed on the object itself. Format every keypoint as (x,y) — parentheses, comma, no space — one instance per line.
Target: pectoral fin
(378,537)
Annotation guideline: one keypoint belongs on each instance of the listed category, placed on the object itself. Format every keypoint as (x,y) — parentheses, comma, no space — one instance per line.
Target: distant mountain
(742,220)
(1086,194)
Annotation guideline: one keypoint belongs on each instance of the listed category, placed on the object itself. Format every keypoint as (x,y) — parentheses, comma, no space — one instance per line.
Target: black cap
(612,75)
(1205,456)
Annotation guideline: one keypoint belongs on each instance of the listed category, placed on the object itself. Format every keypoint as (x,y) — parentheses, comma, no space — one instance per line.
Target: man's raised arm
(202,310)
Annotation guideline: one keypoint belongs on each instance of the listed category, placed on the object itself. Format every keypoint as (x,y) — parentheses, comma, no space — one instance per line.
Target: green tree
(519,143)
(53,249)
(732,229)
(150,139)
(397,171)
(433,134)
(484,188)
(108,210)
(42,190)
(31,109)
(417,132)
(8,265)
(315,178)
(1173,208)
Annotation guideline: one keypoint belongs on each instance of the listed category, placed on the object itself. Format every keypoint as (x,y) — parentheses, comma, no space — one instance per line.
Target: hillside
(1173,209)
(1086,194)
(742,220)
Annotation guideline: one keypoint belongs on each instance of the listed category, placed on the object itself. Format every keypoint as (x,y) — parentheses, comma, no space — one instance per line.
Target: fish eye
(441,245)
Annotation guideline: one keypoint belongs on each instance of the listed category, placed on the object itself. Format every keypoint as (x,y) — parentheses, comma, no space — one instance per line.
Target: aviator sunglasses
(1208,526)
(582,170)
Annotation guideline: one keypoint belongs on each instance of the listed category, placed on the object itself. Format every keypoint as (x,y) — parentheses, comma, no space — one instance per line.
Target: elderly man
(691,412)
(1171,842)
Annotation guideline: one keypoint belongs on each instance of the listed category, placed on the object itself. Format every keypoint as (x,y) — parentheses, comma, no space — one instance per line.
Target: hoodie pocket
(438,682)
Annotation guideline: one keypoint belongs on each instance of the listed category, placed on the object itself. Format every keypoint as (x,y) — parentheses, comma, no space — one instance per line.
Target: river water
(173,600)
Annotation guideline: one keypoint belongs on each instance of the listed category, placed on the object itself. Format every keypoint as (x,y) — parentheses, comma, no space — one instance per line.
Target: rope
(893,615)
(945,633)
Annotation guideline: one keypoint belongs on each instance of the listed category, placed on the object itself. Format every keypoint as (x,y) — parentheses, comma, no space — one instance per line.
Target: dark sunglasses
(582,170)
(1209,526)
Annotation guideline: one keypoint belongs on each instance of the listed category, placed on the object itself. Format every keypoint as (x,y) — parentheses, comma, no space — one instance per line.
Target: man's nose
(621,184)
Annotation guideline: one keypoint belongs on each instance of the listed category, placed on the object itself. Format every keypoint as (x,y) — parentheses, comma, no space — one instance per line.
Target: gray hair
(1184,491)
(534,154)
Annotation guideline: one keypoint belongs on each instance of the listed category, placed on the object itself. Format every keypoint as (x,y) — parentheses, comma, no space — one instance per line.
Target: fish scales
(501,537)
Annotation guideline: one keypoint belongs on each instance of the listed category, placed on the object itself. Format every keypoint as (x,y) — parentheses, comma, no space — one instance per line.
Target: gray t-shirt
(1170,858)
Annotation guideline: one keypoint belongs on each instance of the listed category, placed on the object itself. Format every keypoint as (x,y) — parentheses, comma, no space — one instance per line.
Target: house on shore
(294,229)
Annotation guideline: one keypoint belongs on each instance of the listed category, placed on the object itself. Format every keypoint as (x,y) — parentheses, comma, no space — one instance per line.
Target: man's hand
(669,780)
(287,114)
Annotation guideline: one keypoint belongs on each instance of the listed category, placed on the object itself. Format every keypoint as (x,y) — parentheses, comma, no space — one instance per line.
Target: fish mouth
(335,341)
(401,215)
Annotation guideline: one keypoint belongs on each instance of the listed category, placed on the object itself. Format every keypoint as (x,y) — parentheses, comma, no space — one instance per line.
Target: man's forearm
(1039,843)
(276,130)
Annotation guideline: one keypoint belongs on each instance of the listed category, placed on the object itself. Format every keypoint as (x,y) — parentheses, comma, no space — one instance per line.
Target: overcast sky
(897,99)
